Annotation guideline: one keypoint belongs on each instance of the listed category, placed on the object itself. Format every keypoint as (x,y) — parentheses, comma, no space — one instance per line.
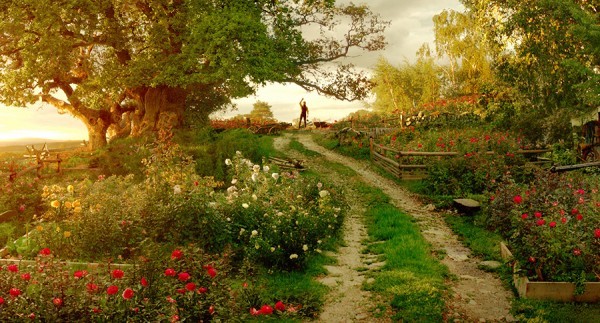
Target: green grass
(482,242)
(412,279)
(332,143)
(297,146)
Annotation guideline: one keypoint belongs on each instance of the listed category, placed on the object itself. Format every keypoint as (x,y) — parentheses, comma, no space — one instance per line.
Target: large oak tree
(130,66)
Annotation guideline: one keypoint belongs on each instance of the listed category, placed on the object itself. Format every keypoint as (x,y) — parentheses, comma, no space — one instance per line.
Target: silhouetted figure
(303,113)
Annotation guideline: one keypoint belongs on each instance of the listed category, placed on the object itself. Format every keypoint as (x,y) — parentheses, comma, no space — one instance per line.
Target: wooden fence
(380,156)
(42,157)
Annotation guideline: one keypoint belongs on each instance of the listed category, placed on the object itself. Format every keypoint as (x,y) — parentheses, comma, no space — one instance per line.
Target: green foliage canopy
(137,65)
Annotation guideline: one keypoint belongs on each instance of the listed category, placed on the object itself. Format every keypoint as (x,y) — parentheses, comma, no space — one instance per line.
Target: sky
(411,26)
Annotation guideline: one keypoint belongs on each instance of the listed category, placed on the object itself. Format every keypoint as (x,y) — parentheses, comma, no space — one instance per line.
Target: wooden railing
(42,159)
(380,156)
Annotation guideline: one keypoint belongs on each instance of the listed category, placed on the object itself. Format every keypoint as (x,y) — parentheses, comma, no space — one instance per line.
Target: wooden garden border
(379,157)
(553,291)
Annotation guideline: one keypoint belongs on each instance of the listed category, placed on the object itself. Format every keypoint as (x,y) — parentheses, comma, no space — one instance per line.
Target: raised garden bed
(553,291)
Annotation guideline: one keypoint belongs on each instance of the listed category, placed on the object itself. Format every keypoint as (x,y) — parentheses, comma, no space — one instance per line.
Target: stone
(467,206)
(490,265)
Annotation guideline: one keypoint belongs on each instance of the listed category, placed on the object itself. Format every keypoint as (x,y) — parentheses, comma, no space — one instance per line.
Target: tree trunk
(97,128)
(159,108)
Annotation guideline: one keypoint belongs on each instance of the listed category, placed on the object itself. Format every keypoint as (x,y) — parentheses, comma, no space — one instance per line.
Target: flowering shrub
(552,225)
(483,157)
(269,218)
(280,219)
(188,286)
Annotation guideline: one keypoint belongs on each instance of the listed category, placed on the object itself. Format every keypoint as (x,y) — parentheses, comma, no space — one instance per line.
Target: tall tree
(133,66)
(460,38)
(551,49)
(405,88)
(261,111)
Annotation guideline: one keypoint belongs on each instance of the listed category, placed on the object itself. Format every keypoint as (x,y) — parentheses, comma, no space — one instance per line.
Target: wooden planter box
(553,291)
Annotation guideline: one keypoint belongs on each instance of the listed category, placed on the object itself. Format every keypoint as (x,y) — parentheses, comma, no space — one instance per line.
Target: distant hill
(18,145)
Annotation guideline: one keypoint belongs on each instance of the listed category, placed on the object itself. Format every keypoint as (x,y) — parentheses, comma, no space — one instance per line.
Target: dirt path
(478,295)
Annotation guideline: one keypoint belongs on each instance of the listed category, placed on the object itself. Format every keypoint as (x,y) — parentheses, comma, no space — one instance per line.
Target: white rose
(228,162)
(266,169)
(254,197)
(254,233)
(254,177)
(275,176)
(176,189)
(305,247)
(256,168)
(272,249)
(234,181)
(293,256)
(245,205)
(239,153)
(323,193)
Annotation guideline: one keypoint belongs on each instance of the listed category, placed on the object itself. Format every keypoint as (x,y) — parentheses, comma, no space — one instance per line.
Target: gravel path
(478,295)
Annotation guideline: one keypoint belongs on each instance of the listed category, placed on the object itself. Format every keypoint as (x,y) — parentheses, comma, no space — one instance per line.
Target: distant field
(17,148)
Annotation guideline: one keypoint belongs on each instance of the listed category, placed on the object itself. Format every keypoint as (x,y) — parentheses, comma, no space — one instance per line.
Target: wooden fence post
(371,148)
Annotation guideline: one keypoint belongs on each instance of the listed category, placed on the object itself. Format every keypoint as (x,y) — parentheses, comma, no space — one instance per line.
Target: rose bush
(200,290)
(552,225)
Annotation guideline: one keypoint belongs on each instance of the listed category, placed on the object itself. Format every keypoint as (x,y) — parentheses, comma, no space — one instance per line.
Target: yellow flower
(76,203)
(77,209)
(39,228)
(57,229)
(67,234)
(70,188)
(68,205)
(55,204)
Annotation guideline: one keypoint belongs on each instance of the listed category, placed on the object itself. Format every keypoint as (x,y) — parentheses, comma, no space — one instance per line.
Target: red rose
(128,293)
(254,312)
(31,316)
(26,276)
(45,252)
(552,224)
(144,282)
(538,214)
(183,276)
(211,271)
(14,292)
(266,310)
(22,208)
(96,310)
(117,274)
(190,286)
(176,254)
(280,306)
(175,318)
(541,222)
(79,274)
(577,252)
(91,287)
(1,300)
(524,216)
(202,290)
(211,309)
(563,220)
(12,268)
(112,289)
(170,272)
(518,199)
(180,290)
(531,259)
(574,211)
(579,217)
(58,302)
(597,233)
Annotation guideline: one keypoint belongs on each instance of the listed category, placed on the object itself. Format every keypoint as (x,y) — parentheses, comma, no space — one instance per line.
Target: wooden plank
(387,159)
(405,166)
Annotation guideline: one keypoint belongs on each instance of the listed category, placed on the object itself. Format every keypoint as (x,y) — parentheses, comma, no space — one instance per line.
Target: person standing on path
(303,113)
